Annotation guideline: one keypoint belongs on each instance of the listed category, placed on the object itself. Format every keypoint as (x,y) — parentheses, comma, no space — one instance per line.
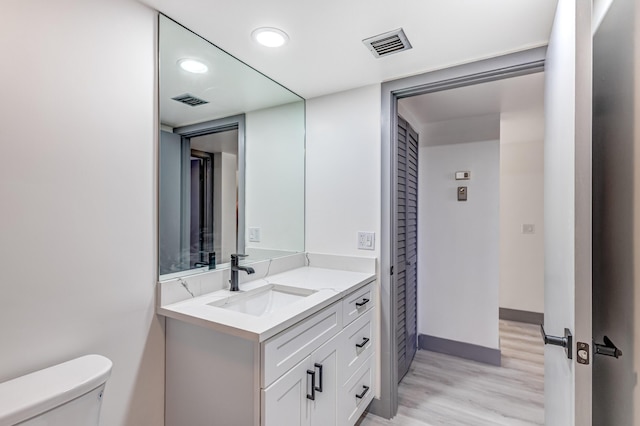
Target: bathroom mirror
(231,158)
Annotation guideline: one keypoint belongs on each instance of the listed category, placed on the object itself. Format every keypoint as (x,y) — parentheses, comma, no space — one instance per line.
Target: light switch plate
(254,235)
(366,240)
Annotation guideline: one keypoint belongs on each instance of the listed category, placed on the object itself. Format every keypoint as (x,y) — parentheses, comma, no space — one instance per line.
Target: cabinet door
(325,363)
(284,403)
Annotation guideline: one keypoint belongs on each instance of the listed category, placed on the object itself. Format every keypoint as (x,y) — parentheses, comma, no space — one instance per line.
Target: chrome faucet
(235,268)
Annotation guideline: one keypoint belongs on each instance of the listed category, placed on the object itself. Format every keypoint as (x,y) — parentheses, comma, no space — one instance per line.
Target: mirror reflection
(214,187)
(231,160)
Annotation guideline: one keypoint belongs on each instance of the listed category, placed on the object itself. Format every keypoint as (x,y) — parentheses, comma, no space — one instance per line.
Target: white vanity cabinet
(357,363)
(333,384)
(317,372)
(306,394)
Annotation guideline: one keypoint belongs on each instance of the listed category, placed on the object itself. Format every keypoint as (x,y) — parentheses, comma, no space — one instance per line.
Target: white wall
(275,171)
(169,203)
(461,130)
(77,185)
(343,171)
(522,202)
(226,190)
(343,174)
(458,267)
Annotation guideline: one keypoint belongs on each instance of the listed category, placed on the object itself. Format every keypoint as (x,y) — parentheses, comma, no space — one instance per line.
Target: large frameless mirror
(231,158)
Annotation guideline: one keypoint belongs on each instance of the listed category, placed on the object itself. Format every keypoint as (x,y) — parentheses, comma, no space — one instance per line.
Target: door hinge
(391,270)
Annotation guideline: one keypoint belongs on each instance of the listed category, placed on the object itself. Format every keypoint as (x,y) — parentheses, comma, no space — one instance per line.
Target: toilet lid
(27,396)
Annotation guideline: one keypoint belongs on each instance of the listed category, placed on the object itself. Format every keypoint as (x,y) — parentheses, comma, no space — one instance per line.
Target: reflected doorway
(214,188)
(201,205)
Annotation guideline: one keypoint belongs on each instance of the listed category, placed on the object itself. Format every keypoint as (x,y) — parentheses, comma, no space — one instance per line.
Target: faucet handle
(235,257)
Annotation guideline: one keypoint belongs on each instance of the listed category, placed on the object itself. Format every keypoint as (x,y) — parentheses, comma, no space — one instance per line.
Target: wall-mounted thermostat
(463,175)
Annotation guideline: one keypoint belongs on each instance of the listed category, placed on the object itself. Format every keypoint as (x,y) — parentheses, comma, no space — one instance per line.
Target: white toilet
(67,394)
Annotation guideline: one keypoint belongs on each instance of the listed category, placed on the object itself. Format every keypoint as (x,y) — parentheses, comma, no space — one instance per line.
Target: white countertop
(330,285)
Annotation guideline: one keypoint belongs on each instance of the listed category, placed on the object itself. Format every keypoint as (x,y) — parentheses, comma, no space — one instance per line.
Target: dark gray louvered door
(406,242)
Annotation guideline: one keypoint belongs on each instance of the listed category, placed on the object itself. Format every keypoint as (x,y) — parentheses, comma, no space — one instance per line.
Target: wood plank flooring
(445,390)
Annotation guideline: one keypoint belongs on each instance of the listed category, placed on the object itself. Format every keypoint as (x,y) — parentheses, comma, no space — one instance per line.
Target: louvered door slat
(406,194)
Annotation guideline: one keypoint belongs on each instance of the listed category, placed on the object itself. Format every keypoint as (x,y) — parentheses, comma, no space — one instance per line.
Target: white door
(567,199)
(616,144)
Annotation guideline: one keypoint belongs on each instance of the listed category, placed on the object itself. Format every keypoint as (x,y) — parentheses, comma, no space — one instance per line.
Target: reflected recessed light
(192,65)
(270,37)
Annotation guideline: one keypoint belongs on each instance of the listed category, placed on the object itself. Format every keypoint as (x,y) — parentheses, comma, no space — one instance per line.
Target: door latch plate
(583,353)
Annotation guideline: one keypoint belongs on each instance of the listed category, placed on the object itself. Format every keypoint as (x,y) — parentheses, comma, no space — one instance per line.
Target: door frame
(236,122)
(206,204)
(483,71)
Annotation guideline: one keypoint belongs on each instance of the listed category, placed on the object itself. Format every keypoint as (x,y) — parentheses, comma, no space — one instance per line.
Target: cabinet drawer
(285,350)
(356,344)
(356,394)
(357,303)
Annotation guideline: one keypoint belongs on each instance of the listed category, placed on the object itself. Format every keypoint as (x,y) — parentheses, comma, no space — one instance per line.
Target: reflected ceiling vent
(190,100)
(387,43)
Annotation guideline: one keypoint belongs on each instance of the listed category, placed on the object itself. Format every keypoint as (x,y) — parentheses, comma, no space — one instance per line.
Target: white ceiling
(230,87)
(475,113)
(496,97)
(326,54)
(217,142)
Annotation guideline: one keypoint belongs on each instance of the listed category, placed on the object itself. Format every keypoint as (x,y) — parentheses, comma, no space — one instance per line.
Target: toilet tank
(66,394)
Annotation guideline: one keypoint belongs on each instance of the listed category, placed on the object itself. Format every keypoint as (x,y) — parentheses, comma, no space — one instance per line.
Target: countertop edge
(264,335)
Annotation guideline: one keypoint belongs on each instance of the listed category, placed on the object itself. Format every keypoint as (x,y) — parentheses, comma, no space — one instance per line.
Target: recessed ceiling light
(192,65)
(270,37)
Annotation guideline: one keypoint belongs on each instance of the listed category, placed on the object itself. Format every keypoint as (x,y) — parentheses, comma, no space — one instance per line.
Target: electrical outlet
(366,240)
(528,228)
(254,235)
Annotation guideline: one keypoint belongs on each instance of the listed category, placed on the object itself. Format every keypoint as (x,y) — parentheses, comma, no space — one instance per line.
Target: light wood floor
(445,390)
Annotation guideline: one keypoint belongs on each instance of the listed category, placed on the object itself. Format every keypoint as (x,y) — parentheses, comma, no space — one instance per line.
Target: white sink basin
(263,300)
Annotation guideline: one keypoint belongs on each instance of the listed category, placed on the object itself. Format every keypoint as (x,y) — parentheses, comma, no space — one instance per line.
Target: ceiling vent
(387,43)
(190,100)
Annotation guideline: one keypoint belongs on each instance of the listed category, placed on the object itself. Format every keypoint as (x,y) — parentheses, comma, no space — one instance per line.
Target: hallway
(445,390)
